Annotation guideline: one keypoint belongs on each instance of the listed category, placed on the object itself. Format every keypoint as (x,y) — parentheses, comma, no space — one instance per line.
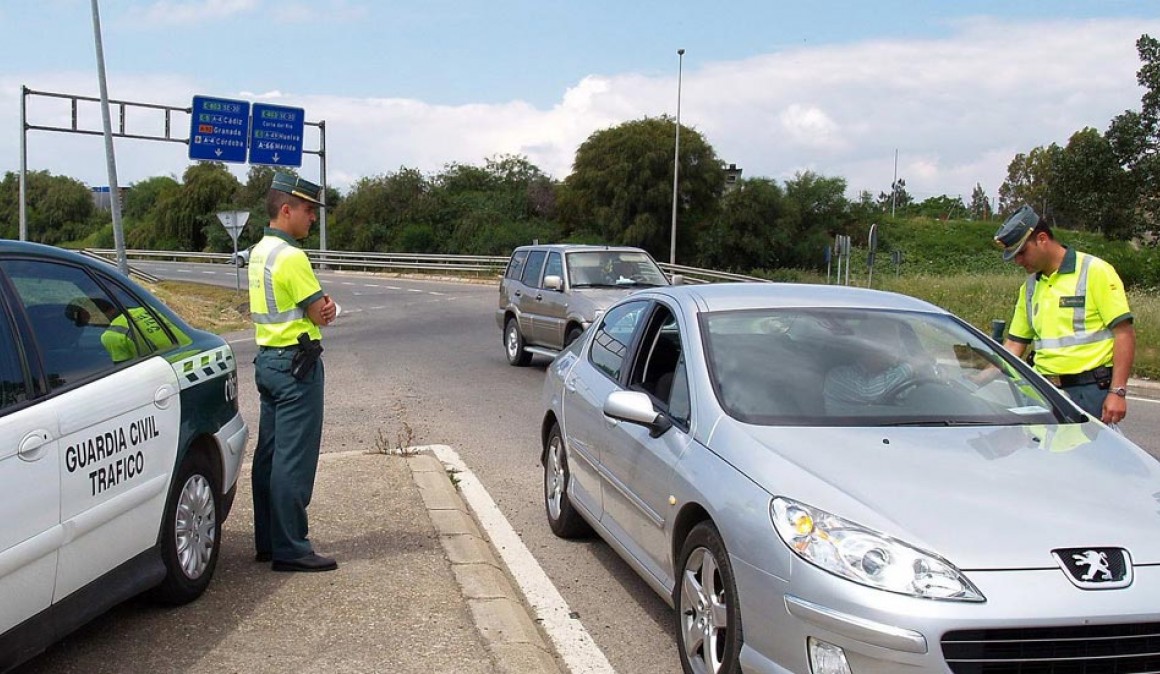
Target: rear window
(516,266)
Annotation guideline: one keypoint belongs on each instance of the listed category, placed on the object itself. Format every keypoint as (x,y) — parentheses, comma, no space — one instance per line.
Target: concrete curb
(507,629)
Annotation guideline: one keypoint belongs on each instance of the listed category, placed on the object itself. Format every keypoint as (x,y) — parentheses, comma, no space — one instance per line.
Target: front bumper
(231,441)
(882,632)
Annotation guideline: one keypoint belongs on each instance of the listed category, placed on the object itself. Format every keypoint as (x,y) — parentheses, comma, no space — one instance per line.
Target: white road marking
(347,283)
(370,285)
(393,288)
(414,290)
(432,292)
(572,641)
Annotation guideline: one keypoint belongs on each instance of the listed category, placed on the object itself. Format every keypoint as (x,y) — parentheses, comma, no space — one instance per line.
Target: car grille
(1089,649)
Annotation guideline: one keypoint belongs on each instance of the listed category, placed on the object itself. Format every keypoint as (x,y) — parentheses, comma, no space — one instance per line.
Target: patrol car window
(610,346)
(13,383)
(516,266)
(149,332)
(535,265)
(69,314)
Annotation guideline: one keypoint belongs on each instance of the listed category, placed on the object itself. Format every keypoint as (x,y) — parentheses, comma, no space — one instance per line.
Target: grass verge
(206,307)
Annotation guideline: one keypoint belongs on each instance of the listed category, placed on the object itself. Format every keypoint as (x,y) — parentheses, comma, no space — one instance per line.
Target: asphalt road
(429,353)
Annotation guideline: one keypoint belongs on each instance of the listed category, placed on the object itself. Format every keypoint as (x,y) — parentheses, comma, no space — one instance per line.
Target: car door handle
(570,384)
(32,447)
(163,396)
(518,293)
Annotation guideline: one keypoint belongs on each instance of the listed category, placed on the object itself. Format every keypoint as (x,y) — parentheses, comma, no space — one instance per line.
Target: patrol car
(120,446)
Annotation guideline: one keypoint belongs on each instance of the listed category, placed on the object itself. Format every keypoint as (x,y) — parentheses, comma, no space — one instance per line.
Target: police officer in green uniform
(288,306)
(1073,311)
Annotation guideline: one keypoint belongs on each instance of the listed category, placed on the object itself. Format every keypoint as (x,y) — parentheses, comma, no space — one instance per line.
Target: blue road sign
(218,129)
(276,135)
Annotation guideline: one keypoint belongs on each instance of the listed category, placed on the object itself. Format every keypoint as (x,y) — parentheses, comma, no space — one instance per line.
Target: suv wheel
(513,343)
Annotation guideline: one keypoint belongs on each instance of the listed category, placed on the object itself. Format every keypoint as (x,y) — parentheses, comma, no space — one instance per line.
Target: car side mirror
(553,282)
(636,408)
(677,279)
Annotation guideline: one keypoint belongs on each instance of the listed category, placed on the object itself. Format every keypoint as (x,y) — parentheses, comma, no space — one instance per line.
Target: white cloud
(955,109)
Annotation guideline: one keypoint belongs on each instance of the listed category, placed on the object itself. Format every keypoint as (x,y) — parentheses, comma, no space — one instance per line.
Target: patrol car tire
(513,344)
(563,519)
(191,532)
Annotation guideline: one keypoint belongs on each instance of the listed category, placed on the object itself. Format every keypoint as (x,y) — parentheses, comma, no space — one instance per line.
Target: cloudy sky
(955,88)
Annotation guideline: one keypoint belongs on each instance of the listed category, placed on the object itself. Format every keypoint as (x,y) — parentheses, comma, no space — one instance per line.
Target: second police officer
(287,306)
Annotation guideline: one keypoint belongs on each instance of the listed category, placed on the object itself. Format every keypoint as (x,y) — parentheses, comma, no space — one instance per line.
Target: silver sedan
(833,480)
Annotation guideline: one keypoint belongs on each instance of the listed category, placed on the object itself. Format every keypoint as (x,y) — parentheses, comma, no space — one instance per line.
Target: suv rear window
(516,267)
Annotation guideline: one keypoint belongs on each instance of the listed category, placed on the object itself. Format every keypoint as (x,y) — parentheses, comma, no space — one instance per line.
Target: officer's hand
(329,309)
(1115,409)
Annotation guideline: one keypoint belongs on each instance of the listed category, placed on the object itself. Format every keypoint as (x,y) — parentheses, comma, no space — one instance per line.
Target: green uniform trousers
(286,459)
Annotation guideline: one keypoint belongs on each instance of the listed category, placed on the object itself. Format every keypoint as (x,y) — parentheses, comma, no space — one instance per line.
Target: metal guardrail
(414,262)
(132,271)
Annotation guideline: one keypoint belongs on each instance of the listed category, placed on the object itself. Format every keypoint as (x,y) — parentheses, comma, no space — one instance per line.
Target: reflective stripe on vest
(272,315)
(1079,314)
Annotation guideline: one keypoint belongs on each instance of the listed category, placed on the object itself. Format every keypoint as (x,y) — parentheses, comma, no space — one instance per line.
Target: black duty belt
(1096,376)
(288,347)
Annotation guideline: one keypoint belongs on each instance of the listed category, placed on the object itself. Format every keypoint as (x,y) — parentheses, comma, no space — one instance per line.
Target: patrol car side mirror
(553,282)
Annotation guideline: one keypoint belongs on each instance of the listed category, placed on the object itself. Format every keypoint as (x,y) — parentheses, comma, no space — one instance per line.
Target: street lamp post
(676,159)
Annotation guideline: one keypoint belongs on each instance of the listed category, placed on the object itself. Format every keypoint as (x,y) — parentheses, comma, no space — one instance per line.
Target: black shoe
(263,557)
(311,562)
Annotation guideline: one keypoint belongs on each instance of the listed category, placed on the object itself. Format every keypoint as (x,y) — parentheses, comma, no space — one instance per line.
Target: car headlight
(865,556)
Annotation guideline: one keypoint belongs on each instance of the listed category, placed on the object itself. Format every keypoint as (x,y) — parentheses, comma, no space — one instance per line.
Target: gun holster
(306,357)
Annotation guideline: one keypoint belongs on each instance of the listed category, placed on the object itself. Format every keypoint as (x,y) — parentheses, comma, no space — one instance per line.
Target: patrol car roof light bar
(122,132)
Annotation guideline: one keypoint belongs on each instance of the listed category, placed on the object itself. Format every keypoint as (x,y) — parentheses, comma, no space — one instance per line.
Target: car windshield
(613,268)
(843,367)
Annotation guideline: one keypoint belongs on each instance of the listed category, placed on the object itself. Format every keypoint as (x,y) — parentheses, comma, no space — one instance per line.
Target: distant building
(101,197)
(732,175)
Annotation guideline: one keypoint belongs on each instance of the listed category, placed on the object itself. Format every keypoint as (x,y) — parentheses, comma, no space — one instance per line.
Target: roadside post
(873,245)
(234,221)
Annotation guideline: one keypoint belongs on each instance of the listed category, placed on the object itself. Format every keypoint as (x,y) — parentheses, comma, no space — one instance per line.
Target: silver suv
(549,294)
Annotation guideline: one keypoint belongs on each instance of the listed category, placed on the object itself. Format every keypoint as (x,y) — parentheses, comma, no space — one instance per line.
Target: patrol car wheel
(513,343)
(191,533)
(562,516)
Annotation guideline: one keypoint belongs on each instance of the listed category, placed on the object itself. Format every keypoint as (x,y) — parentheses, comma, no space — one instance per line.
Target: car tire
(573,334)
(191,532)
(562,516)
(705,594)
(513,344)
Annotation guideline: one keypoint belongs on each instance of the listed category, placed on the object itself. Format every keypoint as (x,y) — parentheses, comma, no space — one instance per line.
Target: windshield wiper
(937,422)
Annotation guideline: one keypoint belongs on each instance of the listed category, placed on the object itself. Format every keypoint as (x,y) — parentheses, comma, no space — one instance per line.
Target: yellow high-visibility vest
(1068,316)
(282,285)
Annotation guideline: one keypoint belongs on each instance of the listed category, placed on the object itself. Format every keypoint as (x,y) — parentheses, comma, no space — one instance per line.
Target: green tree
(620,188)
(980,207)
(744,235)
(1090,187)
(897,200)
(378,208)
(59,209)
(1029,180)
(819,210)
(1135,136)
(186,218)
(942,207)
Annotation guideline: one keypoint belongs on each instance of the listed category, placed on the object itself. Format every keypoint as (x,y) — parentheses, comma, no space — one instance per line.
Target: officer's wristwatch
(1120,391)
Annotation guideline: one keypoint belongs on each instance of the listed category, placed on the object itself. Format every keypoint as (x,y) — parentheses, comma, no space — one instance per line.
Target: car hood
(588,301)
(983,498)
